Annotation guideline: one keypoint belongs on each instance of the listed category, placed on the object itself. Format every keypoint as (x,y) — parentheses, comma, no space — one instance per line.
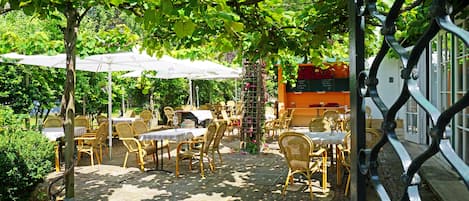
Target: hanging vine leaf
(184,29)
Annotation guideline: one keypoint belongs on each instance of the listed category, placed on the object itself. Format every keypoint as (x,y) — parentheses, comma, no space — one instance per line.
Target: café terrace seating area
(195,147)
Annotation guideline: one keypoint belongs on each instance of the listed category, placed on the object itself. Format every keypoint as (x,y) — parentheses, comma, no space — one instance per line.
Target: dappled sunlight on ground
(240,177)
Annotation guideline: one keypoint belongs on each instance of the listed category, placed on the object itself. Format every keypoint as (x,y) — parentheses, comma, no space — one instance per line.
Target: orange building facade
(316,91)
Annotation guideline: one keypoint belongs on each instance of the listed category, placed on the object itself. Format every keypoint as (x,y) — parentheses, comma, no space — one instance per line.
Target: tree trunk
(68,98)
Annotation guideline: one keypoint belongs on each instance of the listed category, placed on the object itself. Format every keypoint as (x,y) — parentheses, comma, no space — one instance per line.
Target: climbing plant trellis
(364,85)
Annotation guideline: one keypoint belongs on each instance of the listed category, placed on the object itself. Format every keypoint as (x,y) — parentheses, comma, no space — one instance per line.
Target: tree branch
(83,14)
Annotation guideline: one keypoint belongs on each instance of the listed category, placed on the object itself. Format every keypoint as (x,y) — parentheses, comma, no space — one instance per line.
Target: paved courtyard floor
(240,177)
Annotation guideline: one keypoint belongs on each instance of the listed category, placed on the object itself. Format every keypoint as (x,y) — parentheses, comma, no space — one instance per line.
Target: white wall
(389,86)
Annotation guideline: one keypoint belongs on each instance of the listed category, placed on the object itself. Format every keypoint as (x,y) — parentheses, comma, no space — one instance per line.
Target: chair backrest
(146,115)
(221,128)
(53,121)
(204,107)
(225,116)
(168,112)
(318,124)
(82,121)
(290,112)
(369,118)
(331,115)
(209,136)
(129,113)
(348,141)
(296,148)
(125,131)
(101,119)
(102,133)
(373,135)
(139,127)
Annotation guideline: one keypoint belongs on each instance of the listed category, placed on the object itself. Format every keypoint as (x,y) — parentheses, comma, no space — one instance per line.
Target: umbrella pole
(190,94)
(109,108)
(236,90)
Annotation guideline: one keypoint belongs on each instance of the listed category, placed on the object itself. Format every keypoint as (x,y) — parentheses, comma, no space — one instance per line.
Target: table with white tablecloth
(327,138)
(54,134)
(200,117)
(129,120)
(177,134)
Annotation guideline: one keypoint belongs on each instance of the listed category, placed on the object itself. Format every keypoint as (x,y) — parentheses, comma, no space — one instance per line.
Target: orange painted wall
(302,102)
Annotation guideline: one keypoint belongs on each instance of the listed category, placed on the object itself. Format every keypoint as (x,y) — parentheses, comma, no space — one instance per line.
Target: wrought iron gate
(364,85)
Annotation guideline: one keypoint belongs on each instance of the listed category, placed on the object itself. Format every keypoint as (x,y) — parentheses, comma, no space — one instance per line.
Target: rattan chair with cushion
(198,149)
(133,145)
(140,127)
(301,156)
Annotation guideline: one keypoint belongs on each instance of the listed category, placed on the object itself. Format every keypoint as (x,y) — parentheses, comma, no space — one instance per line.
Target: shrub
(26,157)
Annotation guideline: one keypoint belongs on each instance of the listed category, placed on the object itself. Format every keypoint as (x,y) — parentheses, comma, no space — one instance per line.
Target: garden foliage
(26,157)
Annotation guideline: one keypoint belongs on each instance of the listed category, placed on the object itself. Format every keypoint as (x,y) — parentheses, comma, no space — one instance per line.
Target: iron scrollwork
(440,20)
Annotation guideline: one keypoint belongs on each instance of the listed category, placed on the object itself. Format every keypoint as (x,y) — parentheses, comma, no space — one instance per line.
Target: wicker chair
(92,144)
(83,121)
(53,121)
(302,158)
(344,160)
(169,113)
(126,134)
(101,119)
(373,135)
(146,115)
(319,124)
(197,148)
(221,128)
(333,117)
(369,118)
(140,127)
(129,113)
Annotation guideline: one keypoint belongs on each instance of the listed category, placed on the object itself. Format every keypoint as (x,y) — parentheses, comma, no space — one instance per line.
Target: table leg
(157,160)
(338,170)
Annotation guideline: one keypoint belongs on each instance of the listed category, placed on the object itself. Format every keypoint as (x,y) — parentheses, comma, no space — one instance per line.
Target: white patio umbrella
(198,70)
(126,61)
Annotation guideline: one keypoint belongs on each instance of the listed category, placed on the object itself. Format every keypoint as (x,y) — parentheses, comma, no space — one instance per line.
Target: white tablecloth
(123,119)
(58,132)
(201,115)
(178,134)
(326,137)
